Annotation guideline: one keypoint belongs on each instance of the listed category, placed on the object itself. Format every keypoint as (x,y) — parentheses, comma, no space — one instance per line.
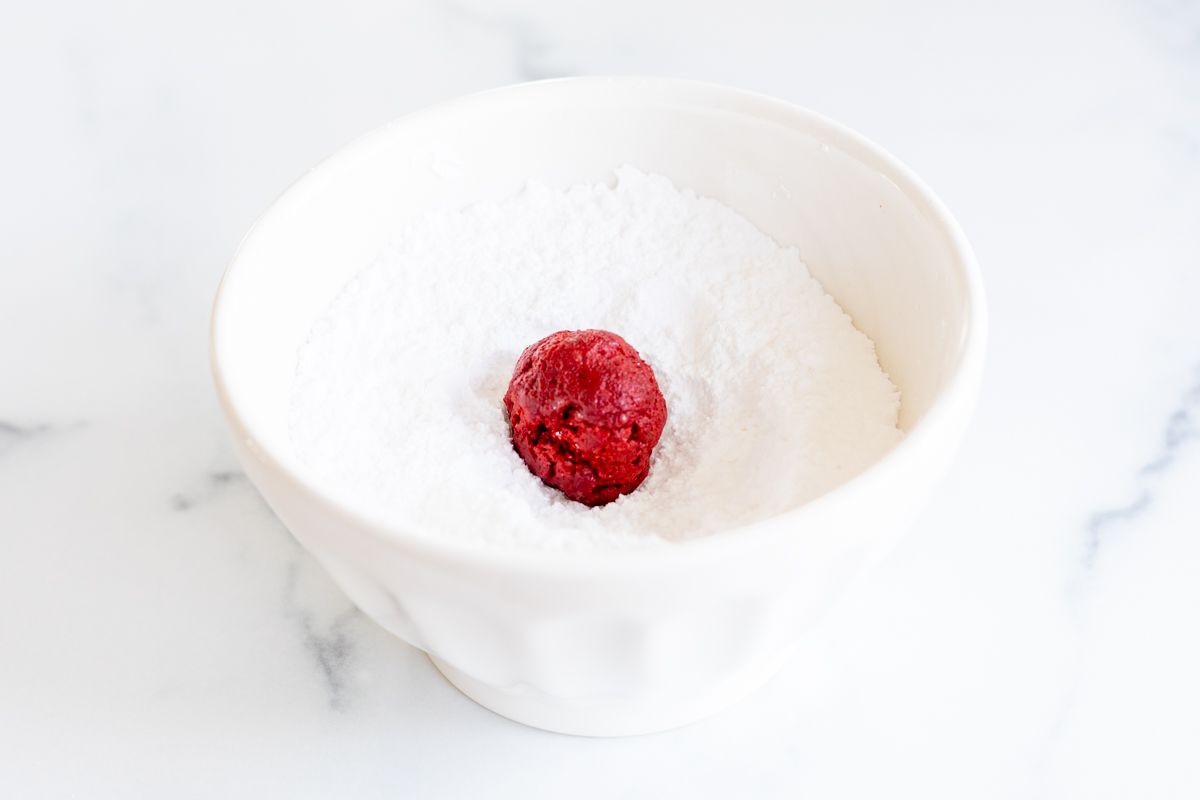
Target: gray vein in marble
(331,648)
(1100,522)
(330,644)
(530,47)
(12,434)
(1180,429)
(531,51)
(214,483)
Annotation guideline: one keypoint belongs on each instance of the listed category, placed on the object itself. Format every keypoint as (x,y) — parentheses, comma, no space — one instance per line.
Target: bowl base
(604,719)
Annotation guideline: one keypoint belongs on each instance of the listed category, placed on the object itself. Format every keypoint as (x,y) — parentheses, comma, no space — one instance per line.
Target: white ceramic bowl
(616,642)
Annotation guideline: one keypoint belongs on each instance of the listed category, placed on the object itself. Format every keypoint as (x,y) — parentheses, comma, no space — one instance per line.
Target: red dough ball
(585,413)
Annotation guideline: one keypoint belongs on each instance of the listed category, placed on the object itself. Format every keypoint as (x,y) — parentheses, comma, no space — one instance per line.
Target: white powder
(773,395)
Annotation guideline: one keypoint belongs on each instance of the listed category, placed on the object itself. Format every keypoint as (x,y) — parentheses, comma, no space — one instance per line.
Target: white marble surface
(1038,634)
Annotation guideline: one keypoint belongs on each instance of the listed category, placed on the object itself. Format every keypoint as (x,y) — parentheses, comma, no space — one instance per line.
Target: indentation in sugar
(774,396)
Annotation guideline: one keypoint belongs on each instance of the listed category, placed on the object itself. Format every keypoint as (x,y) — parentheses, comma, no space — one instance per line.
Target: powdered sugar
(774,397)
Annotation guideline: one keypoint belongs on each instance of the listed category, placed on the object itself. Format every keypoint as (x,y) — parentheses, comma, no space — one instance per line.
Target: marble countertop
(1036,635)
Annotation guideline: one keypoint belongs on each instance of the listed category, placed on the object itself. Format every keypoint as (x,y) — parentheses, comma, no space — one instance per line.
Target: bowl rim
(960,389)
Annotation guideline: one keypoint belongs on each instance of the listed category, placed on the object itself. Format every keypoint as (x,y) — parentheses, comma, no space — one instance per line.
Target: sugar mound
(774,396)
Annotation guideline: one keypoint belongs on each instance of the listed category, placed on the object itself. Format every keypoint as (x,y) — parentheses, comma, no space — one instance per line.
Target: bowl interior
(867,231)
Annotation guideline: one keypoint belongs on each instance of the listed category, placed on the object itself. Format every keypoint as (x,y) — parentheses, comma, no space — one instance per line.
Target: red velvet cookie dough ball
(585,412)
